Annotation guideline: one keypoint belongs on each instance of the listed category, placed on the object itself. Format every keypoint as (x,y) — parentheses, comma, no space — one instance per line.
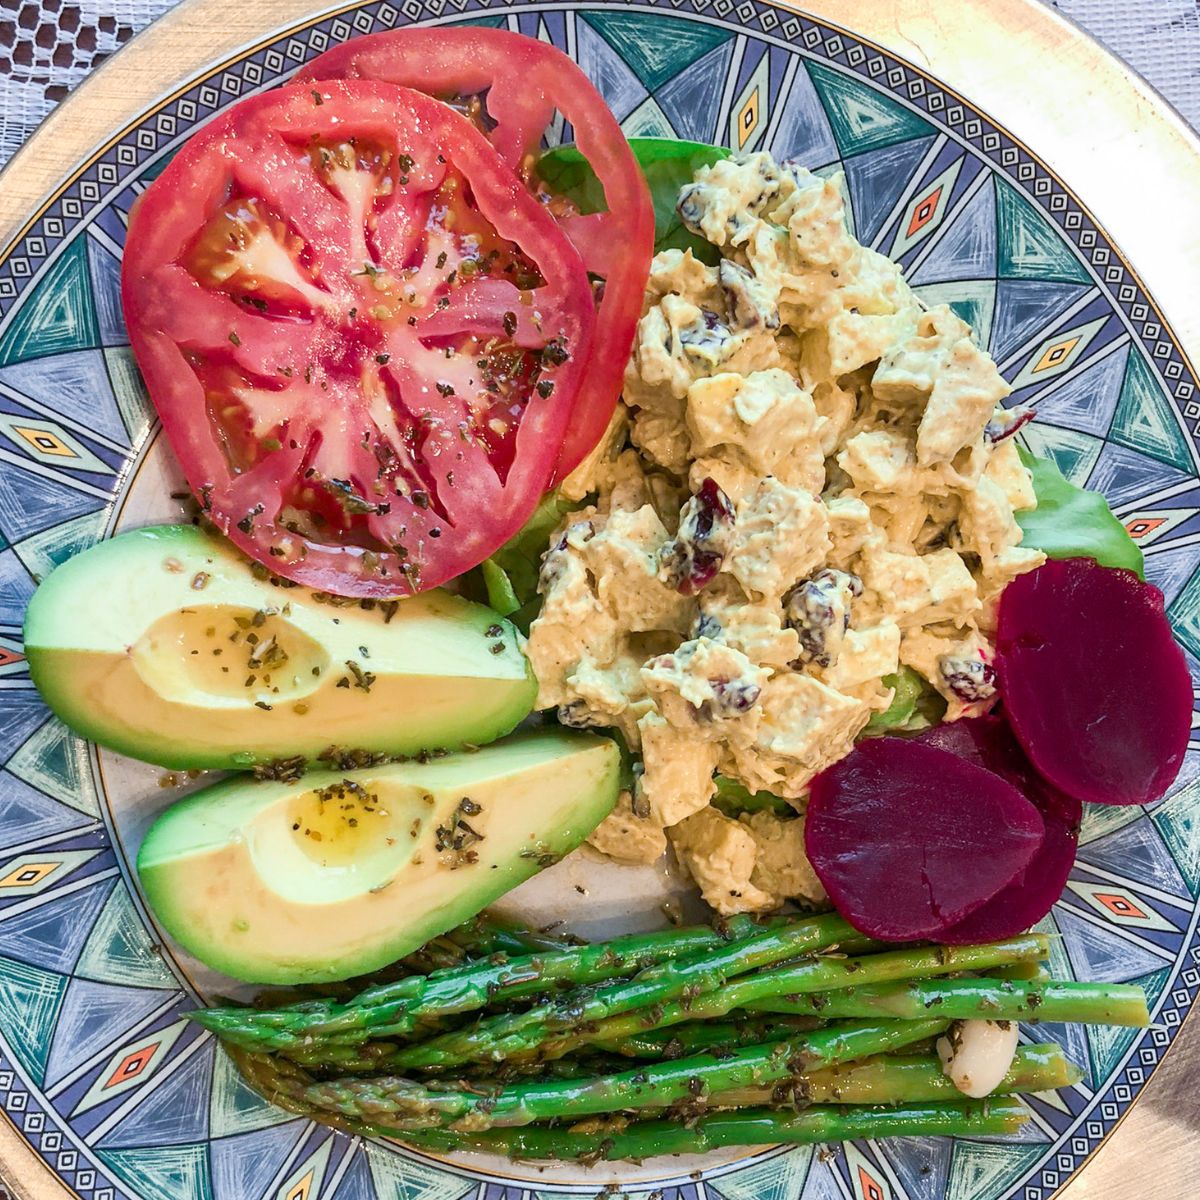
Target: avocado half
(339,874)
(165,644)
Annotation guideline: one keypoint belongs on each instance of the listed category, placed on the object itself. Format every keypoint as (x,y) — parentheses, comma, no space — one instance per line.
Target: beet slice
(988,742)
(909,839)
(1095,687)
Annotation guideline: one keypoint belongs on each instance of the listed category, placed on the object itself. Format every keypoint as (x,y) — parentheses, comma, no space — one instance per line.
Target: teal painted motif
(655,48)
(776,1179)
(31,999)
(59,316)
(864,118)
(120,950)
(1030,247)
(1075,454)
(979,1170)
(1145,419)
(163,1173)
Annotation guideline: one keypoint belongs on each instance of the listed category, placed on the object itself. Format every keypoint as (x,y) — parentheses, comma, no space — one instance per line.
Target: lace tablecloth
(48,46)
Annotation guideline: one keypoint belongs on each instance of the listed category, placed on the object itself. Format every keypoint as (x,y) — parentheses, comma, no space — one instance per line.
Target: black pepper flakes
(246,524)
(282,770)
(362,679)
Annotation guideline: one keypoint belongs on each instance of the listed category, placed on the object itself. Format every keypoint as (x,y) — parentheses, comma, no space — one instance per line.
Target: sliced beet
(1094,685)
(909,839)
(988,742)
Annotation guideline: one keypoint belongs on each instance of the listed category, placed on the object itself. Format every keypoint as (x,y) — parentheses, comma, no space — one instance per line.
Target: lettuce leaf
(667,165)
(1071,522)
(915,705)
(733,799)
(511,574)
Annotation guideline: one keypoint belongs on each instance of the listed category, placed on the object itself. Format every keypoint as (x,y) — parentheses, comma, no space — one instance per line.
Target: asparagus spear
(485,934)
(491,932)
(394,1009)
(882,1079)
(905,1079)
(991,999)
(818,976)
(701,1037)
(704,1037)
(281,1082)
(533,1035)
(507,1034)
(1031,971)
(750,1127)
(399,1103)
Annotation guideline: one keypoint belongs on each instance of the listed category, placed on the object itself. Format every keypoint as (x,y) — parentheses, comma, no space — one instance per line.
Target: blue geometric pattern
(124,1100)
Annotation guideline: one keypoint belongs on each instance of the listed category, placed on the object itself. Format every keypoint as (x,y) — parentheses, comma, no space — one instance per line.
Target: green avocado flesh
(339,874)
(162,644)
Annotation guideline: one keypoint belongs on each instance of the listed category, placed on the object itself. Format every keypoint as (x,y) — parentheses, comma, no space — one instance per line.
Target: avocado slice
(164,644)
(339,874)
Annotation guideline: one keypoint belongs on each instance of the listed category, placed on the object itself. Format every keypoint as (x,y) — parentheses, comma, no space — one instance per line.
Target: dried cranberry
(735,695)
(1006,422)
(819,611)
(689,208)
(694,558)
(707,338)
(553,564)
(749,304)
(971,679)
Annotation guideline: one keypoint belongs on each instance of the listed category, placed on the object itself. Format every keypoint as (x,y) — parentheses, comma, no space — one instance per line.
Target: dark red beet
(909,839)
(989,743)
(1094,686)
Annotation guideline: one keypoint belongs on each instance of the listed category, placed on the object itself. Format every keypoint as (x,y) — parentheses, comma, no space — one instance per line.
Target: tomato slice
(514,85)
(363,335)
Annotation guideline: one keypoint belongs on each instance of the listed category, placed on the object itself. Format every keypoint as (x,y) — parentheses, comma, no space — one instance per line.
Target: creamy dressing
(864,521)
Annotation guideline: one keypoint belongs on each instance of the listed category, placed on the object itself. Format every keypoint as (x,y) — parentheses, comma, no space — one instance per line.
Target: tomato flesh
(363,335)
(523,82)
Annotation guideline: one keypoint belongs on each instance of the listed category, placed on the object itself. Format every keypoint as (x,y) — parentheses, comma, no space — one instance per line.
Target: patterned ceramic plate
(100,1075)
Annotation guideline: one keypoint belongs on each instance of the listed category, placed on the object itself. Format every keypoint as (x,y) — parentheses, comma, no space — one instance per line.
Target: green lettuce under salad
(1072,522)
(668,165)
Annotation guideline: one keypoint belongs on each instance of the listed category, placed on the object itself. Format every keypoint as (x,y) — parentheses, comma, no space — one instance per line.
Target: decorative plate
(101,1077)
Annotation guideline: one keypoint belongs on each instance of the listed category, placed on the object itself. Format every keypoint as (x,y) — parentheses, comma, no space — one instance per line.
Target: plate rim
(124,91)
(1128,120)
